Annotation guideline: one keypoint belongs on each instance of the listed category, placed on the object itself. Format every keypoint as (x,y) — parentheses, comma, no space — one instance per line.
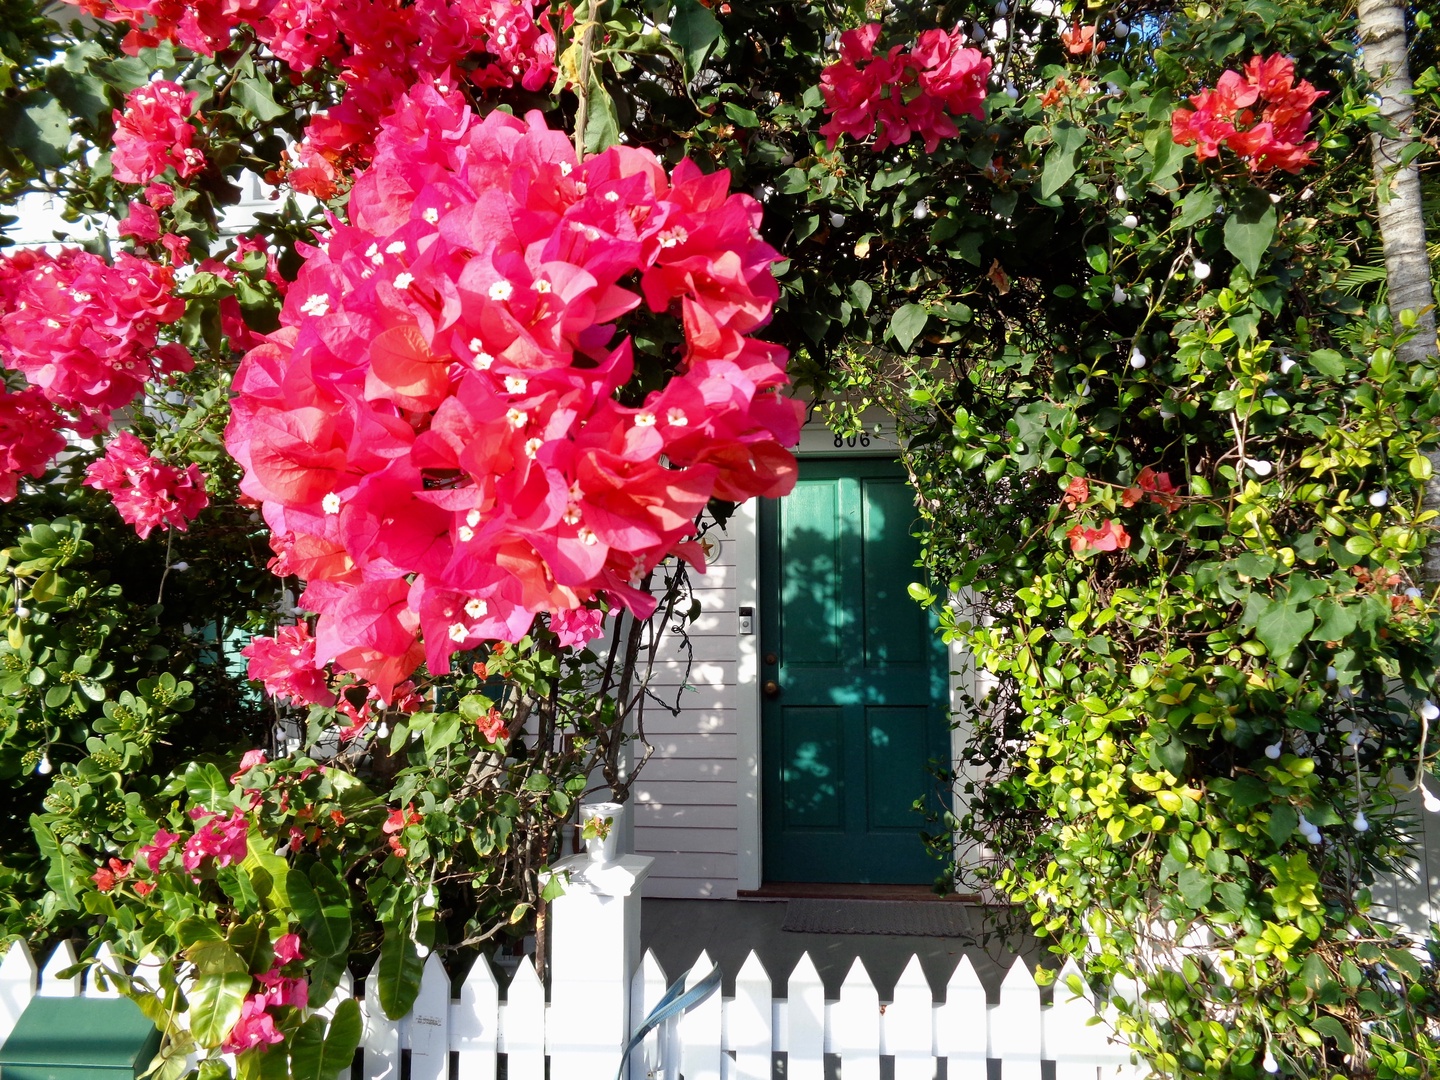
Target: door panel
(863,687)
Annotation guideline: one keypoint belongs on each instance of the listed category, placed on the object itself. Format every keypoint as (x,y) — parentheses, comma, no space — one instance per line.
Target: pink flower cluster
(434,433)
(256,1026)
(380,47)
(221,838)
(154,133)
(902,93)
(85,332)
(29,437)
(1261,114)
(146,491)
(285,664)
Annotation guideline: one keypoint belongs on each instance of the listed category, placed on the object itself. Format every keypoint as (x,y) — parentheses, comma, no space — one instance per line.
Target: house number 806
(863,439)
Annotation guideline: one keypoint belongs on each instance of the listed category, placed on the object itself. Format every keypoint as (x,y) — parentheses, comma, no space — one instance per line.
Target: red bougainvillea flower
(154,133)
(1077,492)
(142,223)
(492,726)
(902,93)
(1111,536)
(29,437)
(433,434)
(85,332)
(1260,113)
(106,877)
(1160,489)
(285,664)
(146,491)
(1079,40)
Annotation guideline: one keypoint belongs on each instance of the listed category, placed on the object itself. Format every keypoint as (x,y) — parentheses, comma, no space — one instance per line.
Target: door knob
(771,688)
(771,658)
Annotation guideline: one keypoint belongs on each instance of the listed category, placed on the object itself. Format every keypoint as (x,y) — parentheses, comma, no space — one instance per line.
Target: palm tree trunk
(1399,205)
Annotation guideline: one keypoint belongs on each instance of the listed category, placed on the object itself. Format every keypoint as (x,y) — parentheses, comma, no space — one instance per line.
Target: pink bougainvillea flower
(433,433)
(222,838)
(287,949)
(248,761)
(29,437)
(1111,536)
(256,1027)
(1260,113)
(902,93)
(85,332)
(157,849)
(285,664)
(142,222)
(146,491)
(154,133)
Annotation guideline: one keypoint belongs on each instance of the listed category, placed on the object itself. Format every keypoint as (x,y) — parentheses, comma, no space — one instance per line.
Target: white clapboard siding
(719,1039)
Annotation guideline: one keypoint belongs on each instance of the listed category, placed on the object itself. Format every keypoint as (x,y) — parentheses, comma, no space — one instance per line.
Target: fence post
(594,951)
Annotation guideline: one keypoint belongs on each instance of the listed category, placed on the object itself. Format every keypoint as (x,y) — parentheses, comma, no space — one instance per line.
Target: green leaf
(1333,1028)
(1336,621)
(695,30)
(399,971)
(316,1054)
(60,873)
(258,99)
(1283,820)
(41,131)
(1061,160)
(262,1063)
(215,1002)
(1196,207)
(251,942)
(206,786)
(906,325)
(602,126)
(1249,230)
(322,904)
(1195,887)
(1328,362)
(1282,627)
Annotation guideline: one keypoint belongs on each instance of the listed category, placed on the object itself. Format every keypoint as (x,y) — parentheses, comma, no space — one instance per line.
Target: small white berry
(1201,270)
(1429,710)
(1130,221)
(1137,359)
(1273,751)
(1360,824)
(1119,295)
(1121,195)
(1287,362)
(1379,498)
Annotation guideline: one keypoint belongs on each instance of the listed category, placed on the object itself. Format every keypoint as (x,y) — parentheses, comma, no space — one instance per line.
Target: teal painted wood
(864,682)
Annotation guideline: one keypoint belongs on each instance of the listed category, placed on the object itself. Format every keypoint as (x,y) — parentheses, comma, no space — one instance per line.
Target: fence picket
(805,995)
(647,987)
(748,1023)
(1076,1046)
(97,984)
(381,1041)
(1015,1025)
(427,1033)
(909,1025)
(700,1045)
(475,1022)
(18,980)
(525,1025)
(855,1025)
(51,984)
(962,1025)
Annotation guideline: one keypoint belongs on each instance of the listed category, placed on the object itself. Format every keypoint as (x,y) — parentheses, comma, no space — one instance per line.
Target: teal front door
(855,682)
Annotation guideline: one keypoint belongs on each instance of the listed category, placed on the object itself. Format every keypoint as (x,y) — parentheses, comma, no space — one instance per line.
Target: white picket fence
(721,1038)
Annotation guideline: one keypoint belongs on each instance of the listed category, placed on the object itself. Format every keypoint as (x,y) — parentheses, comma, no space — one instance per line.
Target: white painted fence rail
(601,990)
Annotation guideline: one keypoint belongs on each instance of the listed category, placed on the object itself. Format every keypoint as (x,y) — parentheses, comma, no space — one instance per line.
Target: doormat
(920,918)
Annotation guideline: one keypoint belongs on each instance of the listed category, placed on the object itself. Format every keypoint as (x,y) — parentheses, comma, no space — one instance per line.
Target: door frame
(743,530)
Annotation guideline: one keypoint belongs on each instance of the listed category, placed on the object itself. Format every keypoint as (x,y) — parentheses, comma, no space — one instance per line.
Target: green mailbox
(79,1039)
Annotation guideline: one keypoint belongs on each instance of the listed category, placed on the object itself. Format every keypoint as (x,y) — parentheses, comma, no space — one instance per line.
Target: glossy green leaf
(215,1003)
(322,904)
(320,1054)
(399,971)
(906,325)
